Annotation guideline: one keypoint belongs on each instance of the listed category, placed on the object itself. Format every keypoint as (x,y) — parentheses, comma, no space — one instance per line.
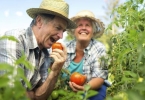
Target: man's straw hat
(54,7)
(88,14)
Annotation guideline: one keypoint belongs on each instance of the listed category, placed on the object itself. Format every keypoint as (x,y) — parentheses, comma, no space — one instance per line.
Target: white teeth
(83,33)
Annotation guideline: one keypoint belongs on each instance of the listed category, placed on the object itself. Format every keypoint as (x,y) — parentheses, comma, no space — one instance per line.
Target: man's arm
(47,87)
(45,90)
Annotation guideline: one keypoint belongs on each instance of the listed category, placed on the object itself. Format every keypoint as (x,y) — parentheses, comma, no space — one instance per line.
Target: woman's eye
(78,25)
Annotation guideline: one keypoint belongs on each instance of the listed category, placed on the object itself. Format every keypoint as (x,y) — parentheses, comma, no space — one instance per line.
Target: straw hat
(88,14)
(55,7)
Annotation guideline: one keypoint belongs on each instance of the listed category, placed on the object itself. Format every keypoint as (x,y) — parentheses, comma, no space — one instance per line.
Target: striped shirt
(11,50)
(93,66)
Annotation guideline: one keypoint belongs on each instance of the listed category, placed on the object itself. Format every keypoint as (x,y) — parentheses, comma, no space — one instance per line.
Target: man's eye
(58,28)
(64,30)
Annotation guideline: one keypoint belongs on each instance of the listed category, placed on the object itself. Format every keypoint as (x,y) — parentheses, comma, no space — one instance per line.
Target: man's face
(51,32)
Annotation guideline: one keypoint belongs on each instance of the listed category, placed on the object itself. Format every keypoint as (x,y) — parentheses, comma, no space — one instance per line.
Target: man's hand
(47,87)
(59,57)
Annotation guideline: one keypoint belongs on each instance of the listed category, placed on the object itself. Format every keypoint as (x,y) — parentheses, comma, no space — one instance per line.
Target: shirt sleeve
(11,49)
(8,51)
(99,68)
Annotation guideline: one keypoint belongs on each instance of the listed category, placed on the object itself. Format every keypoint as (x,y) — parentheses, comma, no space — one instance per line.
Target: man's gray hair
(45,17)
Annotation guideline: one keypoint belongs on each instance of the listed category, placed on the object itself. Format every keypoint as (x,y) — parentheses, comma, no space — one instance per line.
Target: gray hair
(46,18)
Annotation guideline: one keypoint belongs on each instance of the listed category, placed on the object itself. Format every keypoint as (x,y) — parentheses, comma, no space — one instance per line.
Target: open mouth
(83,33)
(52,39)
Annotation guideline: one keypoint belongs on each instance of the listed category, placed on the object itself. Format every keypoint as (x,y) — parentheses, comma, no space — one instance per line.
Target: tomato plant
(78,78)
(66,93)
(57,45)
(54,94)
(128,53)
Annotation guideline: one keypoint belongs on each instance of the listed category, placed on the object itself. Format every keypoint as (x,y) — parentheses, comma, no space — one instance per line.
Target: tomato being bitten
(57,45)
(78,78)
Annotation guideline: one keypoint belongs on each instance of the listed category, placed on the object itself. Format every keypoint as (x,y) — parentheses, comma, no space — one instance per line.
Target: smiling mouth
(83,33)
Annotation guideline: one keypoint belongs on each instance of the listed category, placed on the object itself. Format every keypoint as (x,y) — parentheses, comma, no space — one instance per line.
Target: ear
(39,21)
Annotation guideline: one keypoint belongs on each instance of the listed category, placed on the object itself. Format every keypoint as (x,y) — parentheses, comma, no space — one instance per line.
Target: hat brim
(32,12)
(77,17)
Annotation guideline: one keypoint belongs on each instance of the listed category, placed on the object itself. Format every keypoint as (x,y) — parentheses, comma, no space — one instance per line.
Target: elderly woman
(84,53)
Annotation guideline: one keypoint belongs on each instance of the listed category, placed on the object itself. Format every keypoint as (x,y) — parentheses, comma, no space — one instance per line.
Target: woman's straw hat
(54,7)
(88,14)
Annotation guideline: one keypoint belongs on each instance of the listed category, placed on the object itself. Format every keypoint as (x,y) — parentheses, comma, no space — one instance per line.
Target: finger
(71,86)
(78,87)
(59,52)
(64,50)
(57,57)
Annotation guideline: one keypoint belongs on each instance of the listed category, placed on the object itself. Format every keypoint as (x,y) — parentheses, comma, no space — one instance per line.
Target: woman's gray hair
(96,29)
(46,18)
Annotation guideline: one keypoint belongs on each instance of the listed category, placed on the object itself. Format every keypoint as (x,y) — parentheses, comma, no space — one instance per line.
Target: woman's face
(84,30)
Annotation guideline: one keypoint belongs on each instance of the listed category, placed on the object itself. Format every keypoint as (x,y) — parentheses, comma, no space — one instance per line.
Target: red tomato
(57,45)
(78,78)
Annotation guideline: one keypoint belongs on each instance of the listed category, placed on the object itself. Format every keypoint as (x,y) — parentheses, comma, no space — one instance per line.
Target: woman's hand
(76,87)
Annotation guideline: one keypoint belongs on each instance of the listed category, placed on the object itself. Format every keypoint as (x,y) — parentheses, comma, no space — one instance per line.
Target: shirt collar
(88,49)
(72,46)
(32,42)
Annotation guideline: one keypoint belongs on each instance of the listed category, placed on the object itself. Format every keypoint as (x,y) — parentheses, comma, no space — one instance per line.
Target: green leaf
(9,38)
(87,87)
(91,93)
(80,92)
(4,81)
(130,73)
(22,60)
(20,75)
(65,71)
(6,67)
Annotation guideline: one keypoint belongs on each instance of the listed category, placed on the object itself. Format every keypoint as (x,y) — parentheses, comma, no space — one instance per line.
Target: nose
(60,34)
(83,27)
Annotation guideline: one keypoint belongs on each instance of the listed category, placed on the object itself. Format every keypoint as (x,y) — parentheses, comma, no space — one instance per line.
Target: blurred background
(13,12)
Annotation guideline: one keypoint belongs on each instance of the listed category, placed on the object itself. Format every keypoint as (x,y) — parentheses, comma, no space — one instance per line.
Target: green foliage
(10,86)
(69,36)
(63,92)
(128,53)
(105,39)
(9,38)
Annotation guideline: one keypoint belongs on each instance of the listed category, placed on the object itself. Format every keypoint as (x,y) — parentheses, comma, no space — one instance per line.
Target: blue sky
(13,12)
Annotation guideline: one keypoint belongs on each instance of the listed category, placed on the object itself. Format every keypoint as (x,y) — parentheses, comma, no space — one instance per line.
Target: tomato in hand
(78,78)
(57,45)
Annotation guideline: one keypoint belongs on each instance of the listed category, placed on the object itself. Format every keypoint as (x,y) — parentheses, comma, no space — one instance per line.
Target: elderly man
(49,22)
